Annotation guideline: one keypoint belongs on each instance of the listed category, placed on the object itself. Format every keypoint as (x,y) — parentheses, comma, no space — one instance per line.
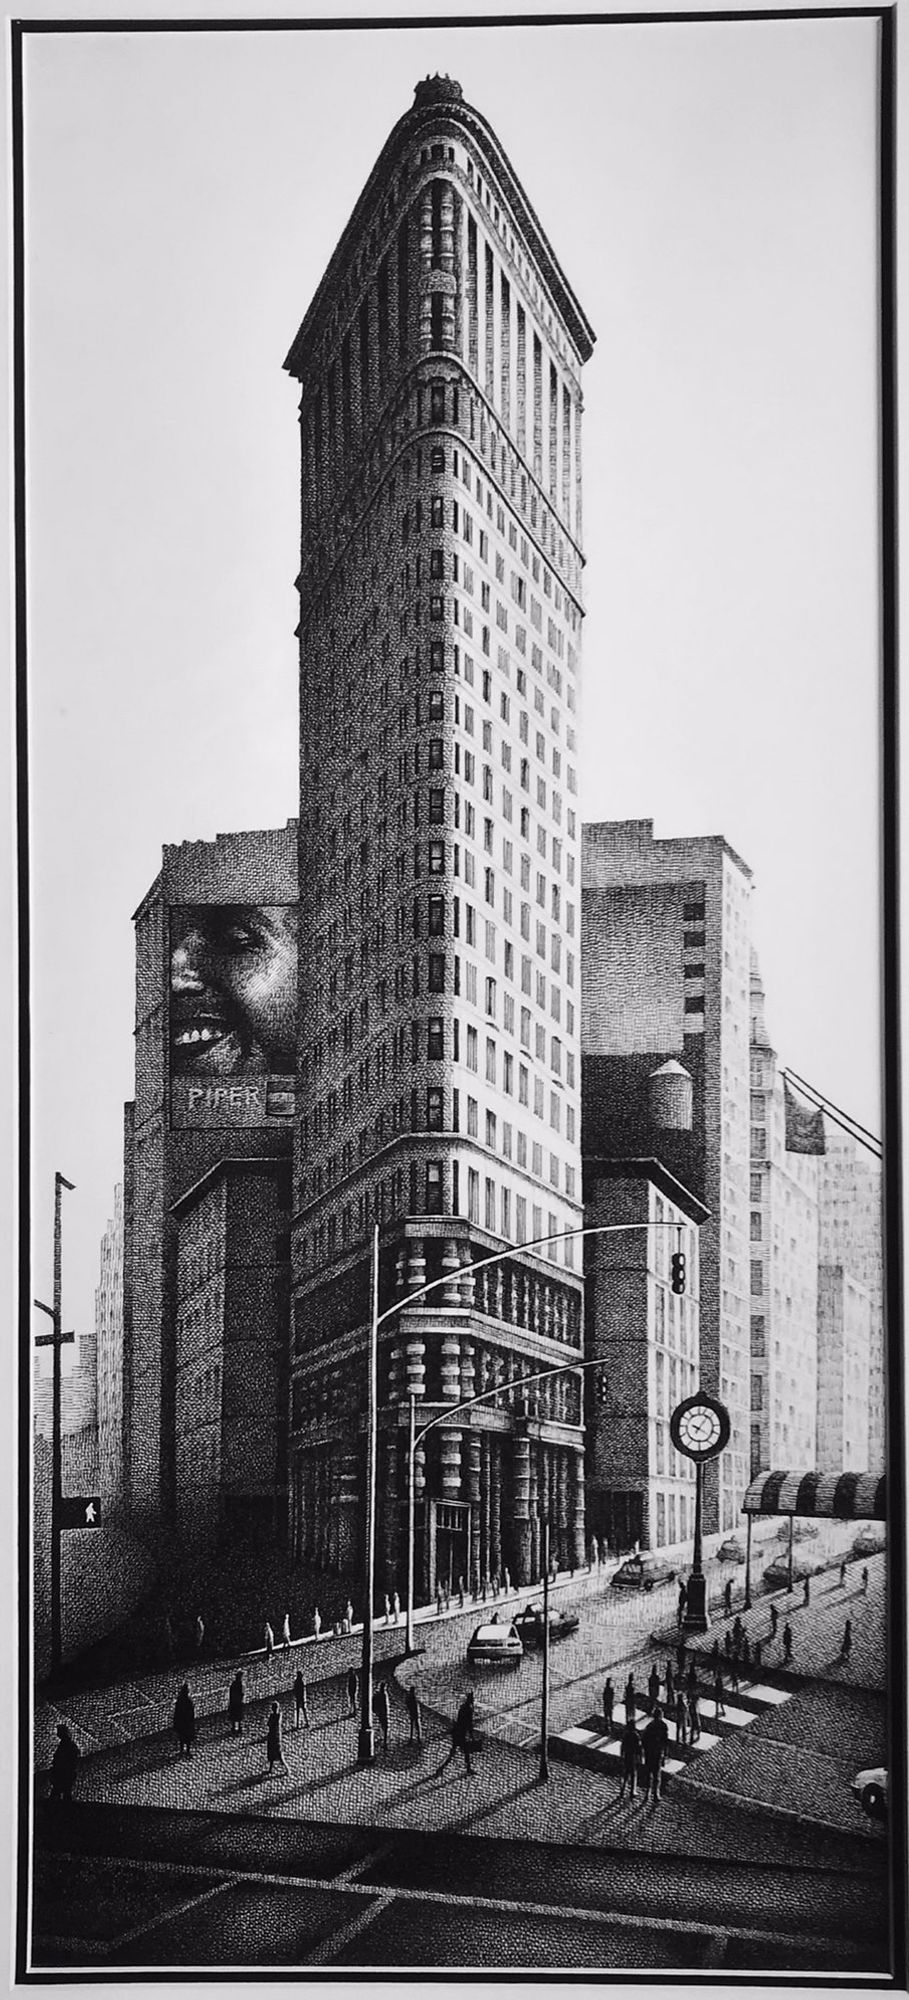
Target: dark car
(530,1626)
(776,1575)
(642,1573)
(731,1551)
(869,1542)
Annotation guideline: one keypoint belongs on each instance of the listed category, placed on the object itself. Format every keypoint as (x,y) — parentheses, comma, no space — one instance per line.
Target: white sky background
(710,191)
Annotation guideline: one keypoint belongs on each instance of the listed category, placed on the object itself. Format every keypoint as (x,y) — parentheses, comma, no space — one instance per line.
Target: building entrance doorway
(450,1544)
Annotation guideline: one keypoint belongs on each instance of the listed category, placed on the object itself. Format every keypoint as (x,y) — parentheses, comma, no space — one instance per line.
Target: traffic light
(602,1391)
(677,1272)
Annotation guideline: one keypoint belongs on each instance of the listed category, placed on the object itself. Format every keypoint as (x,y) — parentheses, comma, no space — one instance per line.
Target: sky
(710,190)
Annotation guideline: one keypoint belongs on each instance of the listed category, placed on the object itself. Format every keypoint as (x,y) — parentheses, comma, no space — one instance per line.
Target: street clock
(700,1427)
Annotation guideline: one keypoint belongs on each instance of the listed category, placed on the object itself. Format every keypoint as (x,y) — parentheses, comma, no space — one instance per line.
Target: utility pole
(544,1723)
(366,1746)
(56,1341)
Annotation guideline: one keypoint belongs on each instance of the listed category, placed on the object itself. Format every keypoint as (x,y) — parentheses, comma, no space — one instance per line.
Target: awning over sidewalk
(844,1496)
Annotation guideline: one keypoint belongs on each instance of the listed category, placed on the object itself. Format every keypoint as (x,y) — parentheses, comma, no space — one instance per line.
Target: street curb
(740,1802)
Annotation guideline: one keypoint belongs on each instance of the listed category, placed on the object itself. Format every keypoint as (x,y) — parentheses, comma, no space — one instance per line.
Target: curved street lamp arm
(502,1389)
(516,1249)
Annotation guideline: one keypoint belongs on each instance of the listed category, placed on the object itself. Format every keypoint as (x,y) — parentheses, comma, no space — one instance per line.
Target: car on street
(776,1575)
(642,1573)
(731,1551)
(871,1790)
(495,1645)
(530,1625)
(869,1542)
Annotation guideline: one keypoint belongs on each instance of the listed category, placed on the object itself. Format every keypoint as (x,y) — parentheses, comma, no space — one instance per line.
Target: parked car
(869,1542)
(642,1573)
(776,1575)
(731,1551)
(871,1790)
(529,1624)
(495,1645)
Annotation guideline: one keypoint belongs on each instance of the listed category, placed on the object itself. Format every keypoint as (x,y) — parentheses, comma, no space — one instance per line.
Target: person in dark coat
(462,1735)
(774,1620)
(669,1679)
(718,1702)
(269,1638)
(200,1633)
(353,1689)
(682,1605)
(629,1759)
(843,1574)
(412,1705)
(185,1720)
(655,1739)
(806,1593)
(681,1719)
(653,1686)
(631,1698)
(738,1633)
(787,1643)
(273,1745)
(756,1657)
(235,1699)
(865,1581)
(694,1714)
(727,1596)
(63,1765)
(846,1647)
(608,1703)
(381,1712)
(301,1705)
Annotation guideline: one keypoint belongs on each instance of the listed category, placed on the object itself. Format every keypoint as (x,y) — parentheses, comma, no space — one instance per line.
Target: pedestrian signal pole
(56,1340)
(544,1718)
(366,1747)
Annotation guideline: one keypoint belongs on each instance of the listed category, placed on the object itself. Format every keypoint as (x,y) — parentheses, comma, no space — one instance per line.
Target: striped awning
(843,1496)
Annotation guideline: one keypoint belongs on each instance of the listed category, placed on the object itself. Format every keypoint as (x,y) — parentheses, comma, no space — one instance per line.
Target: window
(757,1279)
(437,916)
(490,1060)
(433,1187)
(434,1110)
(437,657)
(757,1392)
(435,1038)
(436,854)
(436,806)
(491,998)
(436,753)
(471,1048)
(473,1195)
(758,1337)
(757,1229)
(437,972)
(437,458)
(757,1187)
(490,1205)
(437,609)
(491,1130)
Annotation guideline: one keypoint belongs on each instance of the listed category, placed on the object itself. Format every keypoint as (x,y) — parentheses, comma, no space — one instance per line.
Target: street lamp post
(544,1697)
(366,1745)
(56,1340)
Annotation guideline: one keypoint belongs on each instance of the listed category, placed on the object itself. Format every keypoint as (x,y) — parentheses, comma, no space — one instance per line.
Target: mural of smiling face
(233,989)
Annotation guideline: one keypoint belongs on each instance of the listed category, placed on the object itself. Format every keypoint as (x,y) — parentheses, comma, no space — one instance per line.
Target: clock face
(700,1426)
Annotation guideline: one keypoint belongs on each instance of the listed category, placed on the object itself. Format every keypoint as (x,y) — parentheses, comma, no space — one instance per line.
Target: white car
(870,1789)
(495,1645)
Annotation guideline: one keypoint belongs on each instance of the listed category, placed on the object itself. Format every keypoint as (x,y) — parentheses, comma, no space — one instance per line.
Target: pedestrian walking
(462,1735)
(843,1575)
(185,1721)
(460,1593)
(387,1609)
(608,1703)
(718,1702)
(694,1714)
(774,1620)
(236,1695)
(865,1581)
(682,1605)
(200,1633)
(285,1631)
(653,1686)
(273,1746)
(269,1640)
(846,1647)
(380,1712)
(301,1704)
(316,1621)
(669,1679)
(727,1597)
(681,1719)
(806,1595)
(349,1615)
(787,1643)
(353,1689)
(396,1605)
(507,1582)
(629,1758)
(631,1698)
(734,1675)
(655,1739)
(412,1705)
(439,1602)
(63,1765)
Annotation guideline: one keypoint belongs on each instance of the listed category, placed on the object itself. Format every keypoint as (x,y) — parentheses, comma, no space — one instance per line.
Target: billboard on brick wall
(232,1017)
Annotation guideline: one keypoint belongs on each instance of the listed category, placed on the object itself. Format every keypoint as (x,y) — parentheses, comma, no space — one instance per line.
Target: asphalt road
(130,1887)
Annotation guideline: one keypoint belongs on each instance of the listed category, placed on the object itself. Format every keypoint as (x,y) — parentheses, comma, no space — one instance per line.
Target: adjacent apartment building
(666,972)
(784,1269)
(439,1058)
(851,1225)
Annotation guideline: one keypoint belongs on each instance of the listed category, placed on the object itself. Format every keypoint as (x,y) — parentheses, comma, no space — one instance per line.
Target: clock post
(699,1428)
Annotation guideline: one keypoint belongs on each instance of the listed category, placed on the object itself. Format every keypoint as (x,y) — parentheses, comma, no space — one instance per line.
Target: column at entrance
(579,1524)
(473,1496)
(495,1507)
(520,1508)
